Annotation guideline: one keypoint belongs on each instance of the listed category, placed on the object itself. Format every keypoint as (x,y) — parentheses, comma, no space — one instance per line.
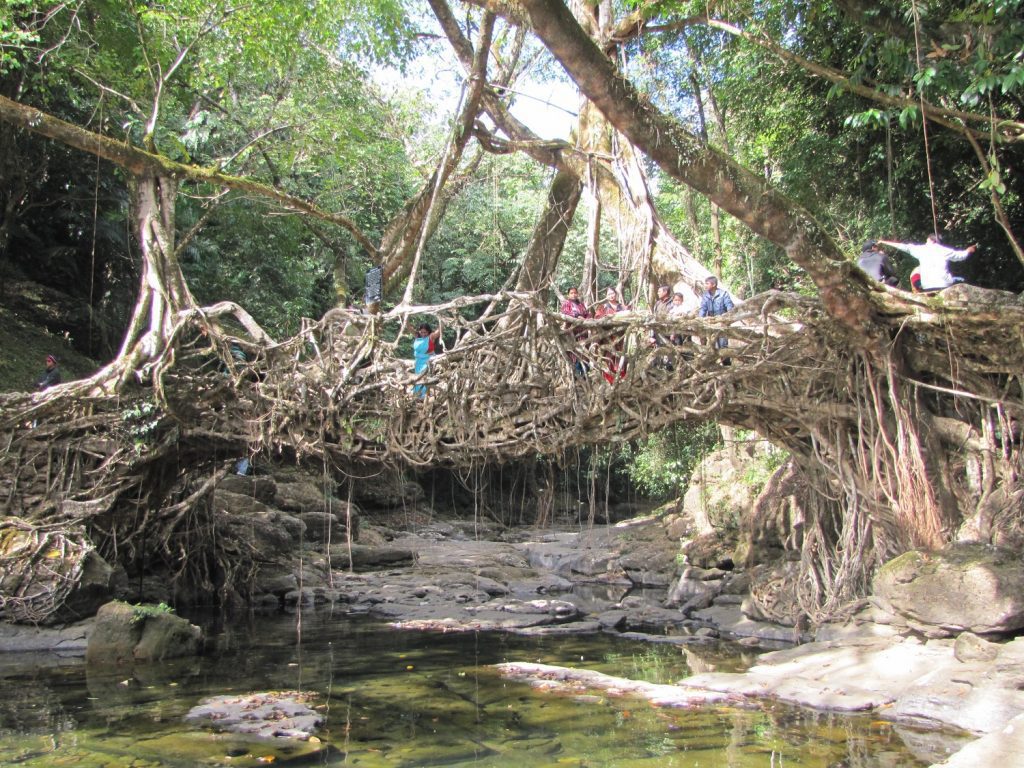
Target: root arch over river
(911,445)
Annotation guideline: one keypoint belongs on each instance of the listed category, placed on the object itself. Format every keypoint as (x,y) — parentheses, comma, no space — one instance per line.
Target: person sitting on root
(423,347)
(875,262)
(51,376)
(934,259)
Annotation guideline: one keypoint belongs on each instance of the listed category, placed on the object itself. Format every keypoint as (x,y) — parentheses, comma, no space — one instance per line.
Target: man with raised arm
(933,258)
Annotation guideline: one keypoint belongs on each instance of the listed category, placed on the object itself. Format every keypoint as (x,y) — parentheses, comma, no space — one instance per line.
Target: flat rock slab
(271,715)
(575,681)
(71,640)
(1003,748)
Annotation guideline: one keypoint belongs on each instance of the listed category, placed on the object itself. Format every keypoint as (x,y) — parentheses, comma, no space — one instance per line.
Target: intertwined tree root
(897,445)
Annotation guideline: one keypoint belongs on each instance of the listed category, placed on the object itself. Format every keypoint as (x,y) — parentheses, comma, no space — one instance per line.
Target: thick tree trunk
(163,291)
(549,233)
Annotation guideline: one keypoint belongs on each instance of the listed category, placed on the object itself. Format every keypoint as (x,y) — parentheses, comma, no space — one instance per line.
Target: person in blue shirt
(713,303)
(423,348)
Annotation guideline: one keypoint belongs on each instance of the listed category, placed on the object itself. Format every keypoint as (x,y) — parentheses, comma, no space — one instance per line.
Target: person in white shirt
(933,258)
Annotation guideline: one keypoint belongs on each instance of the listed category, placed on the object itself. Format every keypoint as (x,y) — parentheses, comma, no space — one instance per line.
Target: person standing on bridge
(682,307)
(422,350)
(574,307)
(933,258)
(713,303)
(615,361)
(51,376)
(660,311)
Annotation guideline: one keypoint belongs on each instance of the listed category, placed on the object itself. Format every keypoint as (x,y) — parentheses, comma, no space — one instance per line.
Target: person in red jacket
(615,361)
(574,307)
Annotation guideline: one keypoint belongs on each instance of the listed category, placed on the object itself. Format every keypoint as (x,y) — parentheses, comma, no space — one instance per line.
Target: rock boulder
(969,587)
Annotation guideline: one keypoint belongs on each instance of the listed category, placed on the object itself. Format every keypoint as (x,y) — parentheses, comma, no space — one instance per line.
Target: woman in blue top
(423,348)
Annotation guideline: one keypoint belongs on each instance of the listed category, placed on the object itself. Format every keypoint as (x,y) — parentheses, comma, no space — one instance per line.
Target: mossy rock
(968,587)
(127,633)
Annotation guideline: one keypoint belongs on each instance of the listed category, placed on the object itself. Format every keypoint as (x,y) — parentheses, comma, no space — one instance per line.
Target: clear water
(410,699)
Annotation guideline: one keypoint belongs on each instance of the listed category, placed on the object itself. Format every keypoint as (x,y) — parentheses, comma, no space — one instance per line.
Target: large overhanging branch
(141,163)
(844,289)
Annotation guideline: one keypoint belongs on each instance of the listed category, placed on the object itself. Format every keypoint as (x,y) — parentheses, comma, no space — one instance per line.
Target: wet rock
(66,641)
(274,580)
(733,621)
(543,584)
(548,630)
(612,619)
(126,633)
(696,588)
(278,714)
(366,558)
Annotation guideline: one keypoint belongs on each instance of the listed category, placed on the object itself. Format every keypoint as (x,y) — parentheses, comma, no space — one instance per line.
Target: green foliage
(144,611)
(141,420)
(662,465)
(486,230)
(860,165)
(758,470)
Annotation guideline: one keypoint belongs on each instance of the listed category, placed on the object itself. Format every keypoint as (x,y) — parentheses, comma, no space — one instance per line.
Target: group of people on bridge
(669,305)
(931,274)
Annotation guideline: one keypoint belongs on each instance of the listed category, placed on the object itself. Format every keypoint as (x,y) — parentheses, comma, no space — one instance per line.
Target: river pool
(414,699)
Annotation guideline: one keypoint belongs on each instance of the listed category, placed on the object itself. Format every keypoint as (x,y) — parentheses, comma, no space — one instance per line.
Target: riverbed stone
(361,557)
(126,633)
(967,587)
(272,714)
(68,641)
(695,588)
(969,647)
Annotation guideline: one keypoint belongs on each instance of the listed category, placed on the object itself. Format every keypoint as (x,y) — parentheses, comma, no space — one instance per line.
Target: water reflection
(407,699)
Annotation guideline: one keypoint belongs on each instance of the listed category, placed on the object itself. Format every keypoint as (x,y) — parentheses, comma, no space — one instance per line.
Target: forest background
(823,99)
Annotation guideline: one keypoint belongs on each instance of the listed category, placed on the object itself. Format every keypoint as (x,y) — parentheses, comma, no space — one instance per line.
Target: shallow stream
(412,699)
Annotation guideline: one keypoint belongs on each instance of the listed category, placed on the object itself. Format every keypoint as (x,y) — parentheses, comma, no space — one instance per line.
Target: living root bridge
(903,448)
